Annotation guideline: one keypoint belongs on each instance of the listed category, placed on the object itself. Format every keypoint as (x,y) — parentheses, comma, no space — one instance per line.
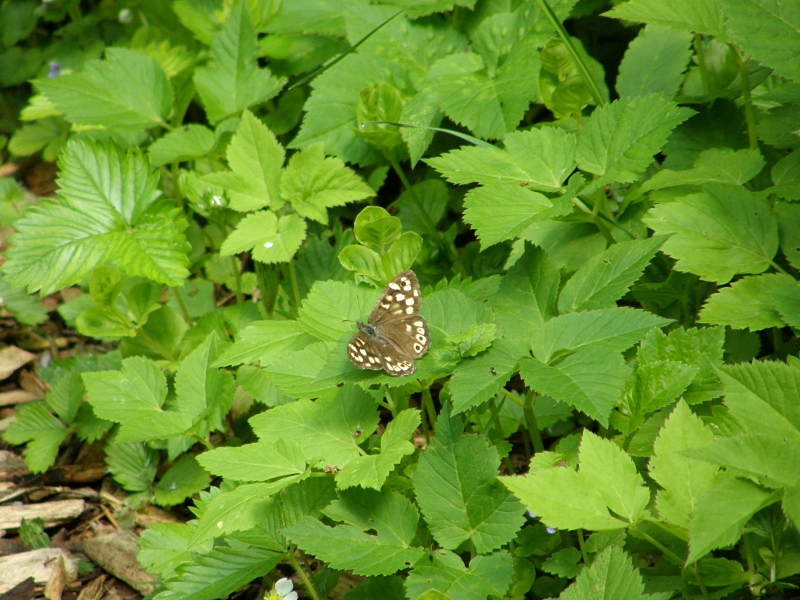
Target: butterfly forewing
(395,333)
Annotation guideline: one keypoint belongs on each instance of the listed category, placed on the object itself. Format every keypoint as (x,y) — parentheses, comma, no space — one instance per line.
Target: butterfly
(395,333)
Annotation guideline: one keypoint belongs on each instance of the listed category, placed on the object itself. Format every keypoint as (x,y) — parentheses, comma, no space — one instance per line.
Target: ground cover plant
(600,201)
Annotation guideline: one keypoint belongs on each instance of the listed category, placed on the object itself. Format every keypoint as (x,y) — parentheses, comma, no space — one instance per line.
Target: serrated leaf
(459,496)
(190,142)
(330,308)
(749,303)
(164,546)
(313,183)
(654,62)
(683,479)
(183,479)
(619,140)
(295,373)
(611,575)
(694,16)
(264,341)
(372,470)
(269,238)
(233,81)
(606,277)
(261,461)
(501,212)
(127,90)
(443,575)
(133,465)
(476,380)
(43,433)
(718,233)
(107,212)
(715,165)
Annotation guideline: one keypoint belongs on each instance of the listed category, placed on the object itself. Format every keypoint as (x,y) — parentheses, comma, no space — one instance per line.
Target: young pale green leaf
(264,341)
(26,309)
(219,572)
(127,90)
(501,212)
(66,396)
(390,515)
(564,499)
(540,159)
(233,80)
(614,476)
(654,62)
(694,16)
(476,380)
(133,465)
(611,575)
(43,433)
(767,31)
(721,513)
(718,233)
(591,379)
(327,429)
(107,213)
(698,348)
(683,479)
(295,373)
(749,303)
(375,228)
(255,157)
(270,239)
(606,277)
(619,140)
(443,575)
(164,546)
(616,329)
(201,389)
(715,165)
(459,495)
(133,397)
(371,471)
(190,142)
(261,461)
(183,479)
(312,183)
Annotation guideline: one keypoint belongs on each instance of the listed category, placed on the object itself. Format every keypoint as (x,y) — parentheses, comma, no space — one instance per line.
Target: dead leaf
(11,359)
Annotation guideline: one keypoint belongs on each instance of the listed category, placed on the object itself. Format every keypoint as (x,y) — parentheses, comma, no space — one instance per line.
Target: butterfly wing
(362,352)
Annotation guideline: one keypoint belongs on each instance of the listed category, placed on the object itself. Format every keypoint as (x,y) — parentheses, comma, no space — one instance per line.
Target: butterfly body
(395,333)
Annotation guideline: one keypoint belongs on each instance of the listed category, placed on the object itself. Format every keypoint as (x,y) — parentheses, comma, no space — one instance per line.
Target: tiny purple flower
(550,530)
(55,70)
(531,514)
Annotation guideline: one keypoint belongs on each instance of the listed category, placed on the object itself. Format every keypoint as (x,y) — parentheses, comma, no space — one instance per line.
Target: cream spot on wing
(400,297)
(394,286)
(353,348)
(387,358)
(398,311)
(416,292)
(421,330)
(419,324)
(360,358)
(363,352)
(417,348)
(410,302)
(409,310)
(389,298)
(421,339)
(408,328)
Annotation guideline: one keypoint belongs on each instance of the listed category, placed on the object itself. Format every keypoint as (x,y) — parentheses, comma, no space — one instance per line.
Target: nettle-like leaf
(263,342)
(255,158)
(183,479)
(458,492)
(389,514)
(190,142)
(107,213)
(42,432)
(233,82)
(701,16)
(127,90)
(133,465)
(611,575)
(654,62)
(444,573)
(566,499)
(262,461)
(757,302)
(722,231)
(716,165)
(270,239)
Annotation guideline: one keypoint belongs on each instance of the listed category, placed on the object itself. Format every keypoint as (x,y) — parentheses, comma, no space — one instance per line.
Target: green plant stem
(414,198)
(495,420)
(749,111)
(204,441)
(512,397)
(666,551)
(576,59)
(533,427)
(427,402)
(295,288)
(182,305)
(237,278)
(701,62)
(696,572)
(777,267)
(312,591)
(582,546)
(424,421)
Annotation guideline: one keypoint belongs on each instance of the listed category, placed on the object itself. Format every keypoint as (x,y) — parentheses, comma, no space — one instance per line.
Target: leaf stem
(237,277)
(582,546)
(749,112)
(312,591)
(666,551)
(427,402)
(701,62)
(204,441)
(533,427)
(182,305)
(295,288)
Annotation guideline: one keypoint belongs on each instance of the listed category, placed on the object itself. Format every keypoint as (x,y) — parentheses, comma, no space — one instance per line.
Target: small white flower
(125,16)
(282,590)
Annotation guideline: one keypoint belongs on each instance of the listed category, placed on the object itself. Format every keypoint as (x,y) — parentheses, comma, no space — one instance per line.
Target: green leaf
(721,513)
(749,303)
(271,239)
(372,470)
(786,178)
(501,212)
(331,304)
(183,479)
(264,341)
(606,277)
(255,157)
(619,140)
(611,575)
(654,62)
(387,588)
(715,165)
(683,479)
(718,233)
(443,575)
(564,563)
(767,31)
(312,183)
(694,16)
(375,228)
(296,373)
(107,213)
(328,429)
(591,379)
(134,397)
(540,158)
(190,142)
(233,80)
(458,492)
(133,465)
(615,329)
(43,433)
(789,227)
(390,515)
(261,461)
(127,90)
(25,308)
(164,546)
